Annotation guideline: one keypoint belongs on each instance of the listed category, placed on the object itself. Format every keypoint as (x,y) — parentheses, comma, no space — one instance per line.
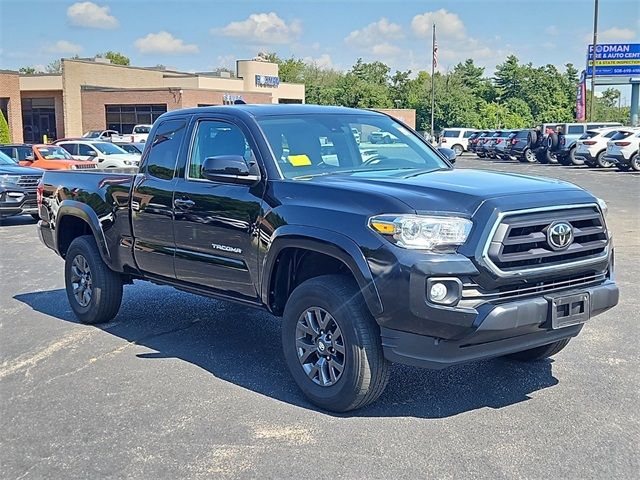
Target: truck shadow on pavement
(241,345)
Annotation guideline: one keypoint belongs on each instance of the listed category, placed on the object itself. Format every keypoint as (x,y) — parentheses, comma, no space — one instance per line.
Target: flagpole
(433,69)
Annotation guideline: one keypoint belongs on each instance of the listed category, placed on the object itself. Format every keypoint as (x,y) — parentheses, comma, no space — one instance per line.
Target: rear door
(214,221)
(152,200)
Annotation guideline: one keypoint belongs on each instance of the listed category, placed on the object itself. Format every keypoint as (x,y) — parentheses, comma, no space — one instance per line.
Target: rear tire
(458,149)
(601,162)
(635,162)
(538,353)
(574,160)
(365,371)
(93,289)
(529,156)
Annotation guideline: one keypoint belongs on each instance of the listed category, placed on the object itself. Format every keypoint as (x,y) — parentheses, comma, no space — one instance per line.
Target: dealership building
(93,94)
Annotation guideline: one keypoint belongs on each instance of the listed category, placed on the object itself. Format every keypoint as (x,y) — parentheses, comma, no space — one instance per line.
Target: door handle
(183,203)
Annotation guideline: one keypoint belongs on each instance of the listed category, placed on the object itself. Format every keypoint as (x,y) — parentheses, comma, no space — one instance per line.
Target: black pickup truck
(371,253)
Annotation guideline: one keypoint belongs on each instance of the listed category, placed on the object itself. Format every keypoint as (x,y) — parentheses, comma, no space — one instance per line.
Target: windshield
(323,144)
(92,134)
(6,159)
(142,129)
(54,153)
(108,148)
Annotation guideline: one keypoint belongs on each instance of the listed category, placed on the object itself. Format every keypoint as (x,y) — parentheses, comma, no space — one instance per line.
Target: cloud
(64,47)
(262,28)
(373,33)
(448,25)
(615,33)
(90,15)
(385,50)
(164,42)
(454,45)
(323,61)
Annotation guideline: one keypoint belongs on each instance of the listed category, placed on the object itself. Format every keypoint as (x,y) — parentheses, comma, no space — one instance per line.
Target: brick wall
(10,88)
(94,101)
(406,115)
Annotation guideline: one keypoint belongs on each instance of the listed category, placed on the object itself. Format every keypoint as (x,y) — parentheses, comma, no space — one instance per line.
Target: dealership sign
(615,59)
(267,81)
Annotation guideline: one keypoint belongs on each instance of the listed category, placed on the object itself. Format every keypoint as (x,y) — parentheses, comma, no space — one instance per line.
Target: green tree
(27,70)
(375,72)
(5,135)
(116,58)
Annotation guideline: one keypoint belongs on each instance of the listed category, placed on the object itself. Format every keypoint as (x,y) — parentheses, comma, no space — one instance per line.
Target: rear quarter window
(468,134)
(165,148)
(451,133)
(575,129)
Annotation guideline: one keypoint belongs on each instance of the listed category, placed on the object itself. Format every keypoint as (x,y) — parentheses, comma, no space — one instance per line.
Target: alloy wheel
(81,281)
(320,346)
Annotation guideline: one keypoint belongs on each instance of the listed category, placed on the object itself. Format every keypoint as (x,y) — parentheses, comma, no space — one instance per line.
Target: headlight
(127,162)
(603,206)
(420,232)
(7,180)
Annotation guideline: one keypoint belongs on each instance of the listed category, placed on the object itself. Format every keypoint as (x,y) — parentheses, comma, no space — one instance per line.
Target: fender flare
(82,211)
(329,243)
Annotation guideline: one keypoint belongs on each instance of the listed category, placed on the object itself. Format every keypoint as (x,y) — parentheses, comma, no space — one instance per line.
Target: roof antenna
(239,102)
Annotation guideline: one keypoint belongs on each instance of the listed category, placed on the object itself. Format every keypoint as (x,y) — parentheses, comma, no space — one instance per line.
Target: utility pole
(433,71)
(593,59)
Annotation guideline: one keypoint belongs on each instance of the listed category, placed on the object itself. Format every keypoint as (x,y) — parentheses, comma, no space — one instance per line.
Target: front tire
(332,344)
(93,289)
(538,353)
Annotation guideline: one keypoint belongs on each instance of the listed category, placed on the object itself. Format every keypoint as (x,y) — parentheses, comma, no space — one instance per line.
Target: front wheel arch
(336,246)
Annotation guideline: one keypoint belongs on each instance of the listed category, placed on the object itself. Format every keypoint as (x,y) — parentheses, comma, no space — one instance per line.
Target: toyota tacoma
(390,257)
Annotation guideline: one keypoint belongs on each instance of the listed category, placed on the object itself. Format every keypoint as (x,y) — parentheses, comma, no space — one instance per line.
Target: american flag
(435,53)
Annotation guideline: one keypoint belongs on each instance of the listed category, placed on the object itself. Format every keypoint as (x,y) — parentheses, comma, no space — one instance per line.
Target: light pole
(593,59)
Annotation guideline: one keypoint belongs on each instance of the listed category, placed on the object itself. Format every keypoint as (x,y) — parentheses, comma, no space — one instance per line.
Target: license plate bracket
(568,310)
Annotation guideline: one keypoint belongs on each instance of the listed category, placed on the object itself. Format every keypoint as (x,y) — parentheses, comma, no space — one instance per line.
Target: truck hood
(451,190)
(18,170)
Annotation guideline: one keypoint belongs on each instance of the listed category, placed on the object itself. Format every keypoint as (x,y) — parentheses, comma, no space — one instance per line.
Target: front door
(214,221)
(152,200)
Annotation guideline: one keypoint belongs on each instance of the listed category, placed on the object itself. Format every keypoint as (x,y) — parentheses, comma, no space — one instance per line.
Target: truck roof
(273,109)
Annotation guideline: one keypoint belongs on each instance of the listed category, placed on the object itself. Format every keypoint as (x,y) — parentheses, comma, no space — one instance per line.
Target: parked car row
(596,145)
(74,154)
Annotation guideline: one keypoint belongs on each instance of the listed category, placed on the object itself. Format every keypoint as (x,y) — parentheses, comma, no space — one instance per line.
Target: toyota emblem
(560,235)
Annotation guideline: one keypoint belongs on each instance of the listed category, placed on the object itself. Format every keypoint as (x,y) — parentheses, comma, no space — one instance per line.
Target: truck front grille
(473,291)
(522,242)
(29,182)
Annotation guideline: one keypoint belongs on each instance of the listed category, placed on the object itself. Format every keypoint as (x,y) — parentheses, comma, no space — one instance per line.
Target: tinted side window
(215,138)
(165,147)
(451,133)
(620,135)
(610,134)
(84,150)
(70,147)
(573,129)
(8,151)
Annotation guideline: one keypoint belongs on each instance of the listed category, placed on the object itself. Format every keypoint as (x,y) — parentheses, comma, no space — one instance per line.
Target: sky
(201,35)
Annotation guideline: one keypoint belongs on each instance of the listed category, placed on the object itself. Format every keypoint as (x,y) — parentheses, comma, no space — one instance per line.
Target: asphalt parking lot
(185,387)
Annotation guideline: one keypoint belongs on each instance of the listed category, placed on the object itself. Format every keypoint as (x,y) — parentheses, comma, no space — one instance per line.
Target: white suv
(106,154)
(592,145)
(457,139)
(622,149)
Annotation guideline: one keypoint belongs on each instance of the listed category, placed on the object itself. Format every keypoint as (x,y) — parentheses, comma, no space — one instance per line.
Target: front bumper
(17,202)
(497,330)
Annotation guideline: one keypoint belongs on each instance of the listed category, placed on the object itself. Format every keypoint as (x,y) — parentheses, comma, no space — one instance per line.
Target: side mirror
(448,154)
(228,168)
(92,153)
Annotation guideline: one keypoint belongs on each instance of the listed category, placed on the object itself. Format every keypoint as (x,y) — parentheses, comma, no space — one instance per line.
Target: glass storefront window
(124,117)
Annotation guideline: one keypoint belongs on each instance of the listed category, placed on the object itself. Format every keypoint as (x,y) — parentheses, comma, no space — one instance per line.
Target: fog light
(444,291)
(438,292)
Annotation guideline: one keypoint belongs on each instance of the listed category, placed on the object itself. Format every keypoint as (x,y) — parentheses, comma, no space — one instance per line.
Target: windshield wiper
(334,172)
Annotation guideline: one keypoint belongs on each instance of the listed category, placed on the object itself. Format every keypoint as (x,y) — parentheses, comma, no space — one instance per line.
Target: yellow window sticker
(299,160)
